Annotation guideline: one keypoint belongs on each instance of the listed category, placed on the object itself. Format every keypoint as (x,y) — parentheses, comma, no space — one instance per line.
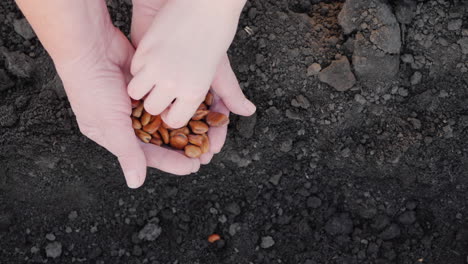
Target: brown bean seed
(196,139)
(153,126)
(164,134)
(209,99)
(183,130)
(145,118)
(200,114)
(205,147)
(156,135)
(179,141)
(145,137)
(137,112)
(136,123)
(198,127)
(135,103)
(156,141)
(216,119)
(202,107)
(192,151)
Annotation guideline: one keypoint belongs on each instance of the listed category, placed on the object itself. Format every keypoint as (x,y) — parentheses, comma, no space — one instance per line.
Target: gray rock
(313,69)
(234,228)
(287,145)
(405,11)
(8,116)
(371,64)
(416,78)
(300,101)
(150,232)
(18,63)
(339,225)
(463,45)
(54,249)
(56,85)
(267,242)
(387,38)
(407,218)
(338,75)
(5,81)
(314,202)
(391,232)
(24,29)
(233,208)
(455,25)
(275,179)
(246,125)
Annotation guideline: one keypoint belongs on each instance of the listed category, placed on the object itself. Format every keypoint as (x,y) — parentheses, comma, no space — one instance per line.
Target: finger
(141,84)
(227,87)
(169,160)
(180,112)
(217,135)
(144,12)
(120,139)
(158,100)
(206,158)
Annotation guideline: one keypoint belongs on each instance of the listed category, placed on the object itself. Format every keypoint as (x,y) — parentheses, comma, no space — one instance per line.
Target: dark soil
(375,174)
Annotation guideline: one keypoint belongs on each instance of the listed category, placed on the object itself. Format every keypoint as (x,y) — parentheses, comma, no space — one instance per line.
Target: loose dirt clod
(192,138)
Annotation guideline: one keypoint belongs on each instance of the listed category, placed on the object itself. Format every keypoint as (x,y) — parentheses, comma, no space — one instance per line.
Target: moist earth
(368,166)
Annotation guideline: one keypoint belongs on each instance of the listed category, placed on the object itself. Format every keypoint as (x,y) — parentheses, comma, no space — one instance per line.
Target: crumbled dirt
(375,174)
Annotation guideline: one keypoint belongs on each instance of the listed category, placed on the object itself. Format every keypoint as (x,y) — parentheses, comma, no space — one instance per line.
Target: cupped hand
(96,84)
(225,87)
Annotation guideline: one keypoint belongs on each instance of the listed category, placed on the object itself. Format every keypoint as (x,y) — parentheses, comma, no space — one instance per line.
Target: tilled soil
(369,169)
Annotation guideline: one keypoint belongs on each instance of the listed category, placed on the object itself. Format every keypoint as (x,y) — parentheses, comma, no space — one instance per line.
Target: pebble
(360,99)
(314,202)
(287,145)
(391,232)
(50,237)
(233,208)
(314,69)
(73,215)
(463,45)
(338,75)
(416,78)
(5,81)
(24,29)
(150,232)
(454,25)
(234,228)
(18,63)
(407,218)
(267,242)
(275,179)
(300,101)
(54,249)
(339,225)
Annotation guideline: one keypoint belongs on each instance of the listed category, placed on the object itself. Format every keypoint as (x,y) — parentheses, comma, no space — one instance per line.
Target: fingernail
(133,179)
(195,165)
(249,106)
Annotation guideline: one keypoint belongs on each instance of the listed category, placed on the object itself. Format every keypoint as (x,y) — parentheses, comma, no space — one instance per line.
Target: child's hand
(177,59)
(225,86)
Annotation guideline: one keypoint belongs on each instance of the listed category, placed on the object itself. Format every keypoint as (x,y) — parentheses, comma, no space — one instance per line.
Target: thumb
(120,139)
(226,86)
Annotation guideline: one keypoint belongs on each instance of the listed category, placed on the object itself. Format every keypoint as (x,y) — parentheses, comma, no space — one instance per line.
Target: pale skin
(95,62)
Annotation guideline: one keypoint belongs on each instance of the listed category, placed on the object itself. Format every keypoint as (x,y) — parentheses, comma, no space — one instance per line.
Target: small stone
(405,11)
(246,125)
(50,237)
(387,38)
(5,81)
(360,99)
(259,59)
(267,242)
(150,232)
(287,145)
(54,249)
(314,202)
(24,29)
(403,92)
(18,64)
(463,45)
(314,69)
(233,208)
(275,179)
(407,218)
(234,228)
(391,232)
(8,116)
(454,25)
(72,215)
(300,101)
(339,225)
(338,75)
(416,78)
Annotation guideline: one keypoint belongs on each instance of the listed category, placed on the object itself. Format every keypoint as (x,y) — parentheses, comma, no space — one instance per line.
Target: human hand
(179,55)
(96,86)
(225,86)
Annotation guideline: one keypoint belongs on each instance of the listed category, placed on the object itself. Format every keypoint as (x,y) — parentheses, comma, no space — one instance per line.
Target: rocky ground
(358,152)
